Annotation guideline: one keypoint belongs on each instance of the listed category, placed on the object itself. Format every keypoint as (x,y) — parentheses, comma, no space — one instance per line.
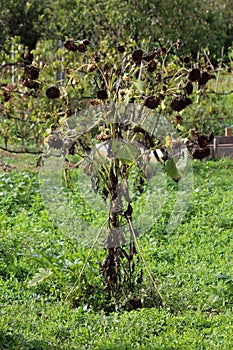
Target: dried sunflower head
(137,55)
(188,88)
(32,72)
(53,92)
(179,102)
(151,66)
(70,45)
(102,94)
(194,74)
(152,102)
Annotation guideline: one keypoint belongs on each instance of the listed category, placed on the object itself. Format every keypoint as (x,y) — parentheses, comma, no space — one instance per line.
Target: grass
(192,267)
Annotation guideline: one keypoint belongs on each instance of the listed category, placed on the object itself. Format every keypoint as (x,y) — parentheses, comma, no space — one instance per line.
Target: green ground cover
(192,267)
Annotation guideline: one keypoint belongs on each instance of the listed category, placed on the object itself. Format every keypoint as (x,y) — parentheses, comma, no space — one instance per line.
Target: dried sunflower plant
(118,134)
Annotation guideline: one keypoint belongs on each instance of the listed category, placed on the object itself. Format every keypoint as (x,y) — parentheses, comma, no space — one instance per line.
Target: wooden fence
(222,146)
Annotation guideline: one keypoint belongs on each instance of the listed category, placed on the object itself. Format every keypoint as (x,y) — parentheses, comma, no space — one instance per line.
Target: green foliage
(198,23)
(192,265)
(23,19)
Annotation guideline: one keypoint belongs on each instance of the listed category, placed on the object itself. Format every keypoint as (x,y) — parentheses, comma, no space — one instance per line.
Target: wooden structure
(222,146)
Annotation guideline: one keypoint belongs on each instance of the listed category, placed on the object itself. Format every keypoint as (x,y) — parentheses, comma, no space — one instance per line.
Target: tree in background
(23,19)
(197,23)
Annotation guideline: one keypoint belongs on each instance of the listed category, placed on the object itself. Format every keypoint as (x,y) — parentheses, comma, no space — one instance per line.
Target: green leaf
(224,277)
(127,154)
(39,277)
(171,169)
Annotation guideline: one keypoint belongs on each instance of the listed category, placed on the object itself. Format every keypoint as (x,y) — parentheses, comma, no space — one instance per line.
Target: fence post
(12,67)
(60,73)
(227,131)
(216,148)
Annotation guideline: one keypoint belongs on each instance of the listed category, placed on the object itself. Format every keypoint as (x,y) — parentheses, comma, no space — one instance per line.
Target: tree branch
(20,151)
(12,64)
(22,120)
(220,93)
